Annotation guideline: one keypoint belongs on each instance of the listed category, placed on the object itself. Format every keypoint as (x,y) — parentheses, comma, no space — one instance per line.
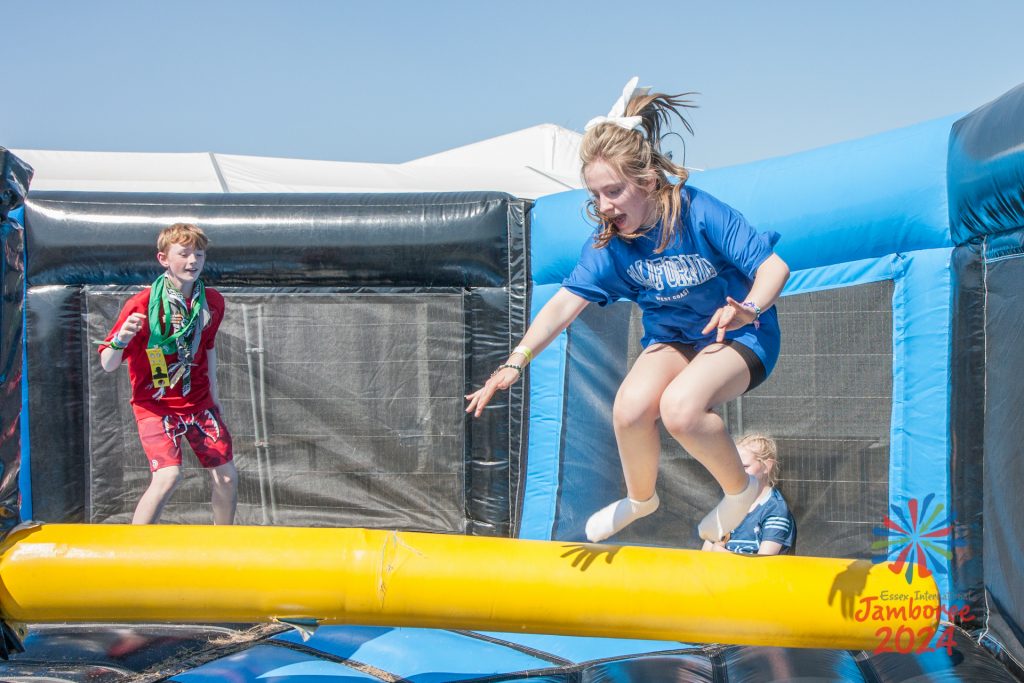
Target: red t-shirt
(140,374)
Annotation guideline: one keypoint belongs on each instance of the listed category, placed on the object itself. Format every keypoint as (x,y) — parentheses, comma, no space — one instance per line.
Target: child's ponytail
(636,155)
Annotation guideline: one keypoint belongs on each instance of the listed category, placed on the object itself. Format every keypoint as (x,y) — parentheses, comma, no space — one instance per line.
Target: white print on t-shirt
(683,270)
(674,297)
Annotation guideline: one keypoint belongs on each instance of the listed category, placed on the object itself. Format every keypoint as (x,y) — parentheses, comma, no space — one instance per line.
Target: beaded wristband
(750,305)
(517,368)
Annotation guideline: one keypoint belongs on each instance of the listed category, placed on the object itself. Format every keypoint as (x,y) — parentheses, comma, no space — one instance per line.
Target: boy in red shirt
(166,334)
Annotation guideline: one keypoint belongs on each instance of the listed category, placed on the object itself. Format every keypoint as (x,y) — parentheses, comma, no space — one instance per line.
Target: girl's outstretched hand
(732,316)
(502,379)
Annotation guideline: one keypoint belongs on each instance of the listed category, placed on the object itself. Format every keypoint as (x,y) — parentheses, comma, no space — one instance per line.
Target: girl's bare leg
(718,374)
(635,416)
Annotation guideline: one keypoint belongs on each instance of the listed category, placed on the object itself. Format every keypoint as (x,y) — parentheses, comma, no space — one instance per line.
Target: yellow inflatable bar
(108,573)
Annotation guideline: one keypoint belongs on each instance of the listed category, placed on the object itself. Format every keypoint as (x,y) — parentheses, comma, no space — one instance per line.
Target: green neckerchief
(158,299)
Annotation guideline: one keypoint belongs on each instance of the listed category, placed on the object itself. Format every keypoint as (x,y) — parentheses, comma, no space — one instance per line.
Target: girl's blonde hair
(765,449)
(637,157)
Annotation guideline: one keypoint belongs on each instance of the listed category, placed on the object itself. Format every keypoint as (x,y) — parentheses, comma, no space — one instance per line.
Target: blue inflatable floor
(102,653)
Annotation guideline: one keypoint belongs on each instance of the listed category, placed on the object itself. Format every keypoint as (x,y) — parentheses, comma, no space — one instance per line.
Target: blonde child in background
(769,527)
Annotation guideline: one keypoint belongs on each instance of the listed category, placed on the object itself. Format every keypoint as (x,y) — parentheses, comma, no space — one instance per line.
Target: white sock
(728,514)
(613,518)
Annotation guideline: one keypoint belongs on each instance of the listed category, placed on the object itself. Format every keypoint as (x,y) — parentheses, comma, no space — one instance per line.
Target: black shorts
(757,372)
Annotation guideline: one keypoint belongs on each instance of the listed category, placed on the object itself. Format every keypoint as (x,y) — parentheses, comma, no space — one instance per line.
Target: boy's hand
(131,327)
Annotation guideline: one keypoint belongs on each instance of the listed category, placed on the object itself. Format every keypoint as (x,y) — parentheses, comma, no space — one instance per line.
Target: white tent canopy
(528,163)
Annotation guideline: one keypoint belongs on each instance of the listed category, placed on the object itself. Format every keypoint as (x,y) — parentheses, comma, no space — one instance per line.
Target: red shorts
(206,433)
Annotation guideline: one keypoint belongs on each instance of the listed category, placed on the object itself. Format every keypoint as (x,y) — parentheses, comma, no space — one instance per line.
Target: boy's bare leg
(162,485)
(224,498)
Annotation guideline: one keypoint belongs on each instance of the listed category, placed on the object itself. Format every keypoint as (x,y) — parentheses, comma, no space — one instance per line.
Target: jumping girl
(706,283)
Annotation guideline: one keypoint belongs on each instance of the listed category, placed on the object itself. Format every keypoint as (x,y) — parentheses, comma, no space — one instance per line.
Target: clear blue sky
(389,81)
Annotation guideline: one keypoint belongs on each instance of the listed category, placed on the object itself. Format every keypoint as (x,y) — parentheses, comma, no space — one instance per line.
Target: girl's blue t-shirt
(715,253)
(769,521)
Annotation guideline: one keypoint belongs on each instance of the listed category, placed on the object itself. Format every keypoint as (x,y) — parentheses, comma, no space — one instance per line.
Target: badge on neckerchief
(158,368)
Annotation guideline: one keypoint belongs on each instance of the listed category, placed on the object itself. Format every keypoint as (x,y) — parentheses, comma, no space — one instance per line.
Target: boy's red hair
(187,234)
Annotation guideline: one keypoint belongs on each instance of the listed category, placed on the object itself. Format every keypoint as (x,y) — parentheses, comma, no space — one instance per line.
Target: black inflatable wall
(13,188)
(986,204)
(354,326)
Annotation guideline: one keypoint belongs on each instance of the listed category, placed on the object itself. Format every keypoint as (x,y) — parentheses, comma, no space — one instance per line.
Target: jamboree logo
(921,537)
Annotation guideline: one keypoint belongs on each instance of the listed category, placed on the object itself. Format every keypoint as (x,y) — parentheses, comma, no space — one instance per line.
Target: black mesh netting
(345,410)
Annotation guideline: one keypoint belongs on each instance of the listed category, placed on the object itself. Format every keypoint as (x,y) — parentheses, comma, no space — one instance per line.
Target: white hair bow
(617,114)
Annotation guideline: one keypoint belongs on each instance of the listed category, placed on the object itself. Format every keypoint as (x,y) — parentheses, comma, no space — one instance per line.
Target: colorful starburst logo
(919,535)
